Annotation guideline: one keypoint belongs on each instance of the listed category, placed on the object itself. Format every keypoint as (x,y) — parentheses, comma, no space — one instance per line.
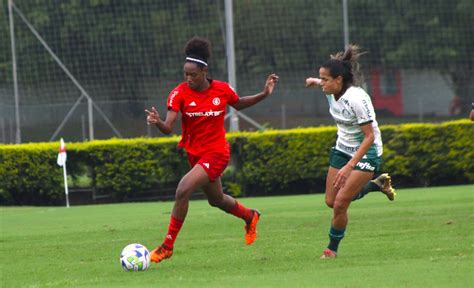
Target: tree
(425,34)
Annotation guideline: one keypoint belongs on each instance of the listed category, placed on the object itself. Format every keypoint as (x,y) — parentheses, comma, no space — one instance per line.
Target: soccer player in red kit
(202,103)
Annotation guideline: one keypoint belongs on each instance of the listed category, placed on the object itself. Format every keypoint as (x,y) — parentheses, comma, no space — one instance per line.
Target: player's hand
(341,177)
(152,117)
(272,79)
(312,82)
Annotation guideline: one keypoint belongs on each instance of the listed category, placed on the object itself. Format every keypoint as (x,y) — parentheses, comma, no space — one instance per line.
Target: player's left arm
(369,138)
(248,101)
(344,172)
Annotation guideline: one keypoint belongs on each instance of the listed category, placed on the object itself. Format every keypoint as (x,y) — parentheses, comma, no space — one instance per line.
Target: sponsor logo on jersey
(205,113)
(367,109)
(345,123)
(216,101)
(173,94)
(347,148)
(192,104)
(206,164)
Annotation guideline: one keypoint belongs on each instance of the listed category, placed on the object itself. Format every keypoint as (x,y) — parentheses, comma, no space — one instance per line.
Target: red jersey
(202,116)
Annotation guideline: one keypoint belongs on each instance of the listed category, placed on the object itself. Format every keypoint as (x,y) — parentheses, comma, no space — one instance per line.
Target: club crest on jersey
(346,113)
(216,101)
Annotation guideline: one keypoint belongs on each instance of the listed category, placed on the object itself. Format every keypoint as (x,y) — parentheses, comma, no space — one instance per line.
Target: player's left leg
(369,187)
(382,183)
(356,180)
(217,198)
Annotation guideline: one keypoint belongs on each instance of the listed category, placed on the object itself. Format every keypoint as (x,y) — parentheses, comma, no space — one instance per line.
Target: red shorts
(213,163)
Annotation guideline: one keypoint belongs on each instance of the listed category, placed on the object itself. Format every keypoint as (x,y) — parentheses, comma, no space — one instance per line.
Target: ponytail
(345,64)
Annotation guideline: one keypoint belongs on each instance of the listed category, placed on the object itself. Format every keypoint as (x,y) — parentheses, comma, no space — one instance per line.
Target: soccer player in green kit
(357,154)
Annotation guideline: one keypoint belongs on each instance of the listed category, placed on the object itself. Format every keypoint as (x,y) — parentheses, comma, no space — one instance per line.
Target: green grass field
(423,239)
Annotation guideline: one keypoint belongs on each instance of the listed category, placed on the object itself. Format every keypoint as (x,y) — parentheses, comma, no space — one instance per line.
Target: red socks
(173,230)
(241,211)
(175,225)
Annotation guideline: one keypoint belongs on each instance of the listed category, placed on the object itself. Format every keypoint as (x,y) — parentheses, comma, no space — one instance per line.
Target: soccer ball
(135,257)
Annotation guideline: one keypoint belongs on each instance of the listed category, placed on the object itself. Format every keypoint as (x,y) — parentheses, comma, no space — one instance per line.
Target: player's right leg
(354,183)
(331,192)
(193,180)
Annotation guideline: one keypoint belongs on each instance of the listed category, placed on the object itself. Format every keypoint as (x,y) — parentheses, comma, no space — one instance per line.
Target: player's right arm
(166,126)
(310,82)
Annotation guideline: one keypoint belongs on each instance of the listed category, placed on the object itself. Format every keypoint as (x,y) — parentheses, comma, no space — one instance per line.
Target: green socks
(369,187)
(335,236)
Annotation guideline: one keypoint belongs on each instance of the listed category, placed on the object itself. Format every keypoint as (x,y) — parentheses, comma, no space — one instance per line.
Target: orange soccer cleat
(251,228)
(160,253)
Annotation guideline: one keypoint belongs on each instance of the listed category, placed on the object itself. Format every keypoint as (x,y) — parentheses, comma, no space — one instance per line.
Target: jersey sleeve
(363,110)
(175,100)
(233,97)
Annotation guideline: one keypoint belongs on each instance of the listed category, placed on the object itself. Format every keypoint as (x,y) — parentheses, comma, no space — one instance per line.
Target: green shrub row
(297,160)
(263,163)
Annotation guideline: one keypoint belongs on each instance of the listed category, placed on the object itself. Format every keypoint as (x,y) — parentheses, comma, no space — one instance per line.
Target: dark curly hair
(199,48)
(345,64)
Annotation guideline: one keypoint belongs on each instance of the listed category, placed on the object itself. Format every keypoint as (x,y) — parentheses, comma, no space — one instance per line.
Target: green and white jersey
(353,109)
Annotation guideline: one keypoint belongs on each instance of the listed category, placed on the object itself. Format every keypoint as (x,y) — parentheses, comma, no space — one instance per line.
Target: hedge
(263,163)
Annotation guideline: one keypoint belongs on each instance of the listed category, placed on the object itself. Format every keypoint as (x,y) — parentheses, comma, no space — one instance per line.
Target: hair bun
(199,48)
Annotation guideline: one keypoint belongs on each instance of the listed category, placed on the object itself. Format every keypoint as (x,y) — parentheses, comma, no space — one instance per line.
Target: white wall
(426,92)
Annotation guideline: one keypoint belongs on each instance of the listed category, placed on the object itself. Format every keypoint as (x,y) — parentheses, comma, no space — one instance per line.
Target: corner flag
(62,154)
(62,162)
